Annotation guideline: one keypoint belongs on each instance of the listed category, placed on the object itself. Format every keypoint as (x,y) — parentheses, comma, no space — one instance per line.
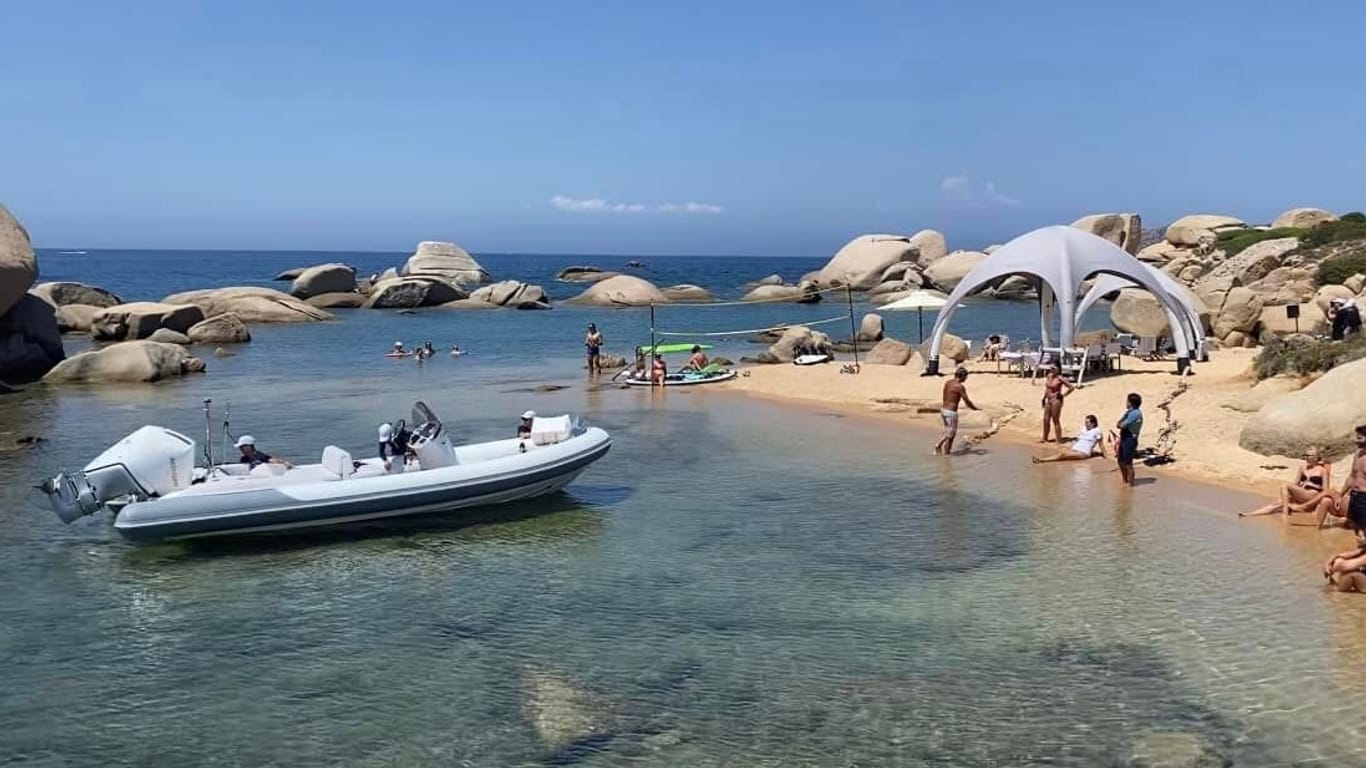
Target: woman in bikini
(1055,388)
(1313,485)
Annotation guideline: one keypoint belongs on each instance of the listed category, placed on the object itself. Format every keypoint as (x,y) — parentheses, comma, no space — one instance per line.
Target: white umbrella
(919,300)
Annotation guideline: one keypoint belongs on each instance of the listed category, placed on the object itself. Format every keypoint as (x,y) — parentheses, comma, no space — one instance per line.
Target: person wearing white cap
(253,458)
(524,428)
(391,453)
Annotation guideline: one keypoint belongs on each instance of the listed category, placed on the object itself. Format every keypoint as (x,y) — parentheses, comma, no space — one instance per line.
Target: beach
(1206,440)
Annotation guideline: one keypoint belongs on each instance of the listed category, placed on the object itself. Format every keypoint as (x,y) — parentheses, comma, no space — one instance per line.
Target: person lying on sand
(1087,445)
(1347,570)
(1311,489)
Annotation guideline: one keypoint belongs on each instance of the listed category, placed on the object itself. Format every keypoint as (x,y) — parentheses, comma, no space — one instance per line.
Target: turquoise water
(735,584)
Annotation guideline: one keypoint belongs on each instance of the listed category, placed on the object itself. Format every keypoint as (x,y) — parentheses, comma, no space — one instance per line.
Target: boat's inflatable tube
(685,380)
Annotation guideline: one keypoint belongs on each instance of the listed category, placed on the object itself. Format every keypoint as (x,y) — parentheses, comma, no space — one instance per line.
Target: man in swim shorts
(955,391)
(1354,490)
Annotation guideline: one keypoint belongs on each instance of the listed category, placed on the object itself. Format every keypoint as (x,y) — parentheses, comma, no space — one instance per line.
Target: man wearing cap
(524,428)
(593,343)
(254,458)
(393,448)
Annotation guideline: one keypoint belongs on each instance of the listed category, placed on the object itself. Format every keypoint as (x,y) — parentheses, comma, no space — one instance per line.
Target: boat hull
(276,509)
(674,380)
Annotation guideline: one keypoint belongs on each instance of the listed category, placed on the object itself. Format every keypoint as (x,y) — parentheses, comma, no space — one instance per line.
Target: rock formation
(861,262)
(349,300)
(140,319)
(889,352)
(76,318)
(621,291)
(413,292)
(1122,229)
(507,293)
(793,338)
(870,328)
(30,341)
(583,274)
(130,361)
(62,294)
(946,273)
(448,260)
(687,293)
(1322,414)
(226,328)
(1199,228)
(324,278)
(250,304)
(805,293)
(1303,218)
(168,336)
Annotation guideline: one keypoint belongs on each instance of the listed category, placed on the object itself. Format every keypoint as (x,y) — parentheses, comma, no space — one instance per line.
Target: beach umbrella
(919,300)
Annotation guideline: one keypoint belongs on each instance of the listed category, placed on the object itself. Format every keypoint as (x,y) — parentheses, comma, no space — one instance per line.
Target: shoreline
(1205,449)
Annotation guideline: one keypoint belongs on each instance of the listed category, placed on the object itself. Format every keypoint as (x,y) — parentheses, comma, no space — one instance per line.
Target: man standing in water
(1126,443)
(593,344)
(955,391)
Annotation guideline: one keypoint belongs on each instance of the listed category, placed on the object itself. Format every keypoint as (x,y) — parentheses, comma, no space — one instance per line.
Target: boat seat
(338,462)
(548,430)
(268,470)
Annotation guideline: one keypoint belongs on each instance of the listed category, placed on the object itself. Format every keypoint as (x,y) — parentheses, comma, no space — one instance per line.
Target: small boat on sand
(150,481)
(710,374)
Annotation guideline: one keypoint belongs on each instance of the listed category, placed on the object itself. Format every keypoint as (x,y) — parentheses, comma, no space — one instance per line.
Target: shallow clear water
(736,583)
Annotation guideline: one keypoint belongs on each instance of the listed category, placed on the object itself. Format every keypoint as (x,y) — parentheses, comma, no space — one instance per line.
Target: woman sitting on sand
(1053,393)
(1312,487)
(1347,570)
(1087,445)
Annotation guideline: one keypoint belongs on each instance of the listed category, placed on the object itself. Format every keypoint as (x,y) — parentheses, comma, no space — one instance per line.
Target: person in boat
(592,343)
(1087,445)
(955,392)
(246,445)
(697,361)
(658,370)
(1312,486)
(1055,388)
(393,448)
(398,349)
(524,426)
(639,369)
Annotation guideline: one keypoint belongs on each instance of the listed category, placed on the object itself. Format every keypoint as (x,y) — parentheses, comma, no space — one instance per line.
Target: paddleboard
(684,380)
(810,359)
(399,354)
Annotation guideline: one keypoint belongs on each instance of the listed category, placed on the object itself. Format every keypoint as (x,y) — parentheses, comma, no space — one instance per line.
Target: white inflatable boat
(149,478)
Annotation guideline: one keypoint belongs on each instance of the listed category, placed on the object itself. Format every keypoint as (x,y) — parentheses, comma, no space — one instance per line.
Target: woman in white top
(1087,445)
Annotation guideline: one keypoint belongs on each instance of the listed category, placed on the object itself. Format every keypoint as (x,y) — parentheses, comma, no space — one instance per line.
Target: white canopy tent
(1192,326)
(1060,258)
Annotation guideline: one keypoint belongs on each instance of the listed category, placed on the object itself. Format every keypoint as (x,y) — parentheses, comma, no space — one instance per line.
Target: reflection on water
(735,584)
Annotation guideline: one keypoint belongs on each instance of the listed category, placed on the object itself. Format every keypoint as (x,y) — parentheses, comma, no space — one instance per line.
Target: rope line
(749,330)
(708,304)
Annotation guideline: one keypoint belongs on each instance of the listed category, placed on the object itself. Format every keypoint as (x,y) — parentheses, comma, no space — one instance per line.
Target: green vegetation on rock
(1305,355)
(1234,241)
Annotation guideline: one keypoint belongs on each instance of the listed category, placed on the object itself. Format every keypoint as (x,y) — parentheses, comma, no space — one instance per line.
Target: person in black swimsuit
(1311,490)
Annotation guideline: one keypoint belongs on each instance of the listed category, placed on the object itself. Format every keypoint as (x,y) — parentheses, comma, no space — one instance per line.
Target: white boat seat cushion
(268,470)
(550,429)
(338,462)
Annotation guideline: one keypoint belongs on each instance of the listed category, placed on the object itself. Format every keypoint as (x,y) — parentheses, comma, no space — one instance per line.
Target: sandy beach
(1206,434)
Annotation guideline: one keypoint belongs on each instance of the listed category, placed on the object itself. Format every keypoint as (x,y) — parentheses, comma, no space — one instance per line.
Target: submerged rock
(559,713)
(168,336)
(130,361)
(226,328)
(688,293)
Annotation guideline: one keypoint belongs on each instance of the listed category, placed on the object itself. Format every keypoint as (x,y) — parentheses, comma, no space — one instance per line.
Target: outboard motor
(152,461)
(429,441)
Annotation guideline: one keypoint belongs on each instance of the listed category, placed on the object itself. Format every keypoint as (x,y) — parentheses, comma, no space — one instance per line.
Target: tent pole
(652,330)
(849,294)
(920,322)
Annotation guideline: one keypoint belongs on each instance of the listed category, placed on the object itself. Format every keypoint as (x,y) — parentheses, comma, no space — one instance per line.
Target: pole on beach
(853,327)
(920,322)
(652,330)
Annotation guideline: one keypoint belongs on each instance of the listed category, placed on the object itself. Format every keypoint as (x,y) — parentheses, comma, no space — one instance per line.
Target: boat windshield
(422,414)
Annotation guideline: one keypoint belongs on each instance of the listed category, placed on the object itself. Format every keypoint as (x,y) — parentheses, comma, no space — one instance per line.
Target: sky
(758,128)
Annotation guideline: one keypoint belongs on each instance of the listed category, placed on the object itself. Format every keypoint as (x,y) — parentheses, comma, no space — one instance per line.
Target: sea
(738,583)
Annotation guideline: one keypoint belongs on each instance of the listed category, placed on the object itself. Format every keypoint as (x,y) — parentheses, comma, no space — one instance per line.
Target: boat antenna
(227,434)
(208,435)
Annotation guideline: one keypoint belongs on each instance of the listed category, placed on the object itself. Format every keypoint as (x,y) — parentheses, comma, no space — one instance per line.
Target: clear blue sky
(637,127)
